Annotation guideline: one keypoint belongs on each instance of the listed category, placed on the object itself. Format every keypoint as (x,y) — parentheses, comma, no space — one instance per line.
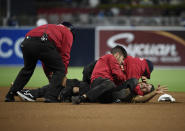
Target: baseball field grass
(173,78)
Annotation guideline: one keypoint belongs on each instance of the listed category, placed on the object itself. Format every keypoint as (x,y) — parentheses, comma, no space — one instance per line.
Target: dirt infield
(39,116)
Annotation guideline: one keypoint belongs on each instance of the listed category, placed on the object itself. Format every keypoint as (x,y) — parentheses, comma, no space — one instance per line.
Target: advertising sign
(10,40)
(165,47)
(82,52)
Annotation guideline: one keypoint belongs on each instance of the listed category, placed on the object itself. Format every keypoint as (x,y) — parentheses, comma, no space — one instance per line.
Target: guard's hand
(122,67)
(144,79)
(64,81)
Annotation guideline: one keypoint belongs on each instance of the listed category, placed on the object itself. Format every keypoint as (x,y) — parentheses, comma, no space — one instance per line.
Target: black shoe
(26,95)
(76,100)
(10,97)
(64,98)
(66,93)
(49,100)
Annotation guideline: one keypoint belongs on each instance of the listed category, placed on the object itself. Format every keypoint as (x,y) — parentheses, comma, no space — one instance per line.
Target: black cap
(150,65)
(67,24)
(149,70)
(70,26)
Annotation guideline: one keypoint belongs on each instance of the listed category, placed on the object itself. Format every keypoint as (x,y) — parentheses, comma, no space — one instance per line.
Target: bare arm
(149,96)
(145,98)
(116,69)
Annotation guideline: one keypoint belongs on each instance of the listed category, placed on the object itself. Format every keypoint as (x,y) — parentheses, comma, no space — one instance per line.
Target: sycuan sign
(163,46)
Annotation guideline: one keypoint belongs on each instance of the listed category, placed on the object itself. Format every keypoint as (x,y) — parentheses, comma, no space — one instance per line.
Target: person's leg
(123,95)
(67,92)
(98,88)
(87,71)
(32,95)
(40,92)
(84,87)
(124,92)
(132,83)
(106,97)
(30,51)
(53,61)
(73,87)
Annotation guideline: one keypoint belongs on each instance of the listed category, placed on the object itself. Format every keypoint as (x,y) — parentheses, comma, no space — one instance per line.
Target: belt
(39,39)
(32,38)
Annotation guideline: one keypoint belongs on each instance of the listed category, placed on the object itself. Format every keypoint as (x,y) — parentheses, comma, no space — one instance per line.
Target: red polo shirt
(108,67)
(135,67)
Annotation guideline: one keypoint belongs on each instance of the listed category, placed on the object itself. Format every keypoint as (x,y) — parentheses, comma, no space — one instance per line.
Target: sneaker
(117,101)
(64,98)
(26,95)
(10,97)
(76,100)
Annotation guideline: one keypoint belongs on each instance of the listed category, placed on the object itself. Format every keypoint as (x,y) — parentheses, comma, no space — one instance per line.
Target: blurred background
(153,29)
(94,12)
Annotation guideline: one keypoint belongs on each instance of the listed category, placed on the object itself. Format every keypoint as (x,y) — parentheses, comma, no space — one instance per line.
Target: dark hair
(70,26)
(120,50)
(150,67)
(152,89)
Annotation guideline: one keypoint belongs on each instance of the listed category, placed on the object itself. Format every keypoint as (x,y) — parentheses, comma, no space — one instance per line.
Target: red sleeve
(65,48)
(138,91)
(116,69)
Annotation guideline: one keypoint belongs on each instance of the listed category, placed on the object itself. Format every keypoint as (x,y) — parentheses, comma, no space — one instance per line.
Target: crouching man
(106,76)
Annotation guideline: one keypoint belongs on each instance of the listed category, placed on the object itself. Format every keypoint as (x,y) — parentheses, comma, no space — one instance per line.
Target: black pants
(131,84)
(87,72)
(106,95)
(67,91)
(101,90)
(40,92)
(125,91)
(33,50)
(105,91)
(70,83)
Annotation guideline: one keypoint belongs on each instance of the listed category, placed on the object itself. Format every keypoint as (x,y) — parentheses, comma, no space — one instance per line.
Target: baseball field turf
(173,78)
(40,116)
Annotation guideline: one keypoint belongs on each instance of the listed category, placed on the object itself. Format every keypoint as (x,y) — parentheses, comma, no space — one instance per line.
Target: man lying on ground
(114,73)
(75,87)
(107,75)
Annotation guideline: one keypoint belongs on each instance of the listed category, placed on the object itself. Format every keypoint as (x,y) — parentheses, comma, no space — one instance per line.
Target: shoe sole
(23,97)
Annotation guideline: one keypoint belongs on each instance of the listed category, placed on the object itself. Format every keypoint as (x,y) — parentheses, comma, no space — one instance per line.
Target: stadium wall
(165,46)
